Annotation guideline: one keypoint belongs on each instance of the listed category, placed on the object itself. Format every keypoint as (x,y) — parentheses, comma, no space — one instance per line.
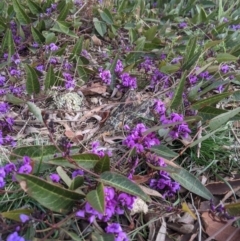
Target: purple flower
(85,53)
(2,172)
(182,25)
(16,90)
(54,177)
(10,168)
(40,67)
(53,60)
(2,182)
(26,169)
(106,76)
(2,80)
(176,60)
(114,228)
(35,45)
(24,218)
(192,79)
(80,213)
(126,200)
(119,67)
(77,173)
(15,72)
(128,81)
(14,237)
(224,68)
(4,107)
(26,160)
(159,107)
(53,47)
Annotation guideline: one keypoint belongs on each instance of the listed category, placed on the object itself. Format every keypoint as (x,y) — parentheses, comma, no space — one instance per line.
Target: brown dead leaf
(150,191)
(96,40)
(93,88)
(141,179)
(221,188)
(213,226)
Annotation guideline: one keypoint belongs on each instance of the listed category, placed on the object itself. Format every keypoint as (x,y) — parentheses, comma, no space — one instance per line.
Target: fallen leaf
(221,188)
(150,191)
(96,40)
(212,226)
(94,88)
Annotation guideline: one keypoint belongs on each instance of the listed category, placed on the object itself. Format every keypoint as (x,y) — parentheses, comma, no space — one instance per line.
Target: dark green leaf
(96,198)
(102,165)
(177,98)
(34,7)
(225,57)
(35,110)
(49,195)
(87,161)
(51,38)
(14,214)
(164,151)
(76,182)
(77,48)
(150,33)
(64,12)
(37,36)
(20,13)
(106,16)
(190,49)
(123,184)
(100,26)
(50,79)
(32,83)
(211,100)
(102,237)
(187,65)
(169,69)
(112,70)
(233,209)
(221,119)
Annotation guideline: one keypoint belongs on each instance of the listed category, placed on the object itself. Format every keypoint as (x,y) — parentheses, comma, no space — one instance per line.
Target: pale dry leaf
(161,236)
(150,191)
(96,40)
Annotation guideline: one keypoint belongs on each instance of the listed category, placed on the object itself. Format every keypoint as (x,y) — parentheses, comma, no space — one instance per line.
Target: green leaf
(34,7)
(35,110)
(50,79)
(191,183)
(169,69)
(106,16)
(134,56)
(14,214)
(150,33)
(76,182)
(102,165)
(77,48)
(188,64)
(177,98)
(123,184)
(221,119)
(164,151)
(50,38)
(211,44)
(8,44)
(20,13)
(102,237)
(190,49)
(49,195)
(73,236)
(188,181)
(36,152)
(225,57)
(100,26)
(87,161)
(14,100)
(64,176)
(32,83)
(211,100)
(64,12)
(112,70)
(96,198)
(64,26)
(233,209)
(37,36)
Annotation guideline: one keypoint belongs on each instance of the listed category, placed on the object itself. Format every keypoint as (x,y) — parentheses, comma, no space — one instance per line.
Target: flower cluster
(137,140)
(162,181)
(23,166)
(116,229)
(115,203)
(126,80)
(100,151)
